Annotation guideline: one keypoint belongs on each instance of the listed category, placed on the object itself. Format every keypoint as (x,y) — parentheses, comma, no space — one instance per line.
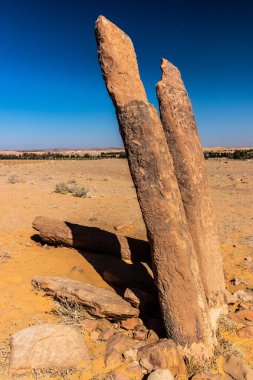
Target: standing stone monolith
(184,144)
(181,292)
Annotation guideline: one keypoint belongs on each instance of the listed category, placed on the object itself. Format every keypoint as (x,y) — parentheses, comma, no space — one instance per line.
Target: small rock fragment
(207,376)
(161,374)
(130,355)
(105,328)
(90,324)
(245,332)
(236,368)
(130,323)
(161,355)
(242,316)
(139,298)
(115,347)
(117,375)
(243,296)
(230,298)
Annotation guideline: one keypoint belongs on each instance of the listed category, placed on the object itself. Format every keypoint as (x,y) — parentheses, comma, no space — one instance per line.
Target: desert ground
(27,190)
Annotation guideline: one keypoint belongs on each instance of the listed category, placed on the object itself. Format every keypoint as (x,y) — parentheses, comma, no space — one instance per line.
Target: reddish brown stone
(175,262)
(242,315)
(245,332)
(130,323)
(184,144)
(163,354)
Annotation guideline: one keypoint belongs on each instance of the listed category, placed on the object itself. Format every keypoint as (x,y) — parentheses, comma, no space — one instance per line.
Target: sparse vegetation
(223,348)
(14,179)
(70,313)
(72,189)
(4,256)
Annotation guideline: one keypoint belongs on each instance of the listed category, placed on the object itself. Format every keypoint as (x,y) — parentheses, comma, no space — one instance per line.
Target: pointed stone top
(118,62)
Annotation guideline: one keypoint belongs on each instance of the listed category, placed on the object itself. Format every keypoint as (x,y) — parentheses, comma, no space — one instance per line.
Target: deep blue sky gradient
(51,90)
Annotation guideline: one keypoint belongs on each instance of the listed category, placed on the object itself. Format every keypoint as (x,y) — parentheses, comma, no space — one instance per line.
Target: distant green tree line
(238,154)
(61,156)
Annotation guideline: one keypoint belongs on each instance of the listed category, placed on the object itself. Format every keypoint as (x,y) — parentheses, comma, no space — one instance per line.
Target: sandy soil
(112,203)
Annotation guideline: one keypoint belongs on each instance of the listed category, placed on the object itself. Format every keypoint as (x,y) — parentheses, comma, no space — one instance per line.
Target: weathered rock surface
(161,355)
(161,374)
(236,368)
(175,262)
(48,346)
(57,232)
(97,301)
(115,347)
(184,144)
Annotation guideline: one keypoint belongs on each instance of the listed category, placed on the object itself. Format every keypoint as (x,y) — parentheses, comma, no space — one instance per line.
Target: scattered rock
(161,355)
(245,332)
(152,337)
(243,296)
(95,335)
(235,368)
(90,324)
(140,334)
(97,301)
(105,328)
(230,298)
(139,298)
(135,371)
(117,375)
(206,376)
(237,281)
(48,346)
(130,323)
(242,316)
(123,227)
(161,374)
(130,355)
(157,325)
(115,347)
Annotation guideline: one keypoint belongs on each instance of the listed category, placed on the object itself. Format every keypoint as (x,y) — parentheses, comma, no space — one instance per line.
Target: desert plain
(28,190)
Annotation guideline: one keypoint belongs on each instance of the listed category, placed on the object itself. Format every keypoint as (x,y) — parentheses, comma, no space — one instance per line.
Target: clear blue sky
(51,90)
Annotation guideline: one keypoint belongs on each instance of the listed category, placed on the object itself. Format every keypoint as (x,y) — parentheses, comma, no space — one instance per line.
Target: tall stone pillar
(180,289)
(184,144)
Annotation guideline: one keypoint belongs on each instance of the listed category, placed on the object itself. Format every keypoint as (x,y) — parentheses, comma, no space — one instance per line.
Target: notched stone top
(170,76)
(119,64)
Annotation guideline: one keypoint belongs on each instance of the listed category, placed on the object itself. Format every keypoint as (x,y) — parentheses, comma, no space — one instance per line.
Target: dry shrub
(72,189)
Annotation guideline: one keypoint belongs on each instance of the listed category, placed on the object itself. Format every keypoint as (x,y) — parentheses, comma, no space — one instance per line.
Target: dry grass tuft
(70,314)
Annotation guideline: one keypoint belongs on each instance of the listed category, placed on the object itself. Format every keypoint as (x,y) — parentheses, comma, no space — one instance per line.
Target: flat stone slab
(48,346)
(99,302)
